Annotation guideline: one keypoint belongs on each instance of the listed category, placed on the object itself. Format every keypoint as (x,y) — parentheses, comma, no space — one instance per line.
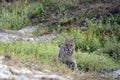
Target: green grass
(19,14)
(16,16)
(98,35)
(47,54)
(84,41)
(42,52)
(96,62)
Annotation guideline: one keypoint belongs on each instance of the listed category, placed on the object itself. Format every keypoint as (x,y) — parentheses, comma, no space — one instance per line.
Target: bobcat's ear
(74,40)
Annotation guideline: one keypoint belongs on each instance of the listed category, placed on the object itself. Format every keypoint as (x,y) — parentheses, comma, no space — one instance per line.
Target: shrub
(113,50)
(15,16)
(94,62)
(46,54)
(84,41)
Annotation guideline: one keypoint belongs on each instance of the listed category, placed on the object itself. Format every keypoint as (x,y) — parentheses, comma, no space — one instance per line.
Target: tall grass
(47,54)
(17,15)
(95,62)
(41,52)
(97,37)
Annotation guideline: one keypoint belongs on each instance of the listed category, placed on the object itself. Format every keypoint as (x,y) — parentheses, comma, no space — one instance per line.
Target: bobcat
(67,53)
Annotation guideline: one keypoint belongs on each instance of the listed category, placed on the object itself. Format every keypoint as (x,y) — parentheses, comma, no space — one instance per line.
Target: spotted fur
(67,53)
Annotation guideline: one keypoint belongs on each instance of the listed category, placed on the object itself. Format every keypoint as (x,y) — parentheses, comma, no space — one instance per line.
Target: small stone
(116,74)
(47,71)
(47,77)
(21,71)
(23,77)
(5,73)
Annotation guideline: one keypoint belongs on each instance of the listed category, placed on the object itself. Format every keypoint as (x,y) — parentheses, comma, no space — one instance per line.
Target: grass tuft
(47,54)
(95,62)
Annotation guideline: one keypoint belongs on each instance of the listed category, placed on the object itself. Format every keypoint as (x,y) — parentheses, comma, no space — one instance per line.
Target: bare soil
(106,8)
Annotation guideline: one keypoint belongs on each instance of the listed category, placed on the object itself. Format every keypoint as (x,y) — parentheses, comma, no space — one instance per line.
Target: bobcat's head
(69,46)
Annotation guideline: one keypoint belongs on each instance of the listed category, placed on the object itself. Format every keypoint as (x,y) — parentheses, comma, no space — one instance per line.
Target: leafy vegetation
(95,62)
(17,16)
(97,46)
(46,54)
(113,50)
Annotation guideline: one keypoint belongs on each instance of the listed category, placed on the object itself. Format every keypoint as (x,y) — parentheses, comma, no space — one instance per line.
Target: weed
(95,62)
(46,54)
(84,42)
(112,49)
(18,16)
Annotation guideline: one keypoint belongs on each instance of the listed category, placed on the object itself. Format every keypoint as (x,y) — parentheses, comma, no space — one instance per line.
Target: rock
(24,34)
(23,77)
(28,30)
(4,58)
(48,77)
(12,73)
(24,73)
(5,74)
(116,74)
(47,71)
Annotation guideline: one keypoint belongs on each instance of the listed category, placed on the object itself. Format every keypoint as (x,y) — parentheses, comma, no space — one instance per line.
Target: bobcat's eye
(66,44)
(71,45)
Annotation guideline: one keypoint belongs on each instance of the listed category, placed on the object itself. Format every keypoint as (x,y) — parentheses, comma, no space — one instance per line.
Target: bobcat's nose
(68,49)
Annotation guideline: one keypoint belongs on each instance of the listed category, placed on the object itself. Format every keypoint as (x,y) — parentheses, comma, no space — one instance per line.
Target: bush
(15,16)
(84,41)
(96,62)
(113,50)
(46,54)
